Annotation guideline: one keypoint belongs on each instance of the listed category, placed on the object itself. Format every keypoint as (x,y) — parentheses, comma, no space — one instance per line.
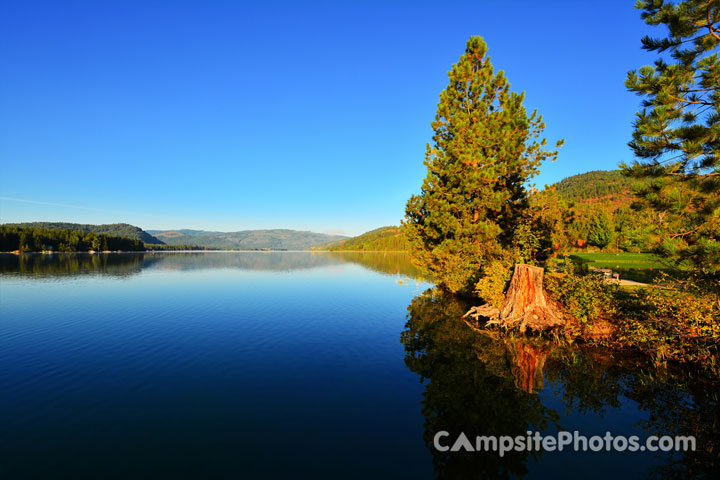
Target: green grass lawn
(640,267)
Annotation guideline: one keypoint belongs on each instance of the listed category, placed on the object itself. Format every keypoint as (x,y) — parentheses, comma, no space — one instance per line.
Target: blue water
(254,365)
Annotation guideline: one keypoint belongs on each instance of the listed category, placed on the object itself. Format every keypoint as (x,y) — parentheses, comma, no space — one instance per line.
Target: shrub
(585,297)
(491,286)
(681,323)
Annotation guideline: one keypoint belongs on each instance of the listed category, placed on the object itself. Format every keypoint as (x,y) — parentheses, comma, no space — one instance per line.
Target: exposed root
(494,334)
(485,310)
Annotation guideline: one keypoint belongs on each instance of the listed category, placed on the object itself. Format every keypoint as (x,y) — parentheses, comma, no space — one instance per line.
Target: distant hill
(279,239)
(115,229)
(604,189)
(605,194)
(385,239)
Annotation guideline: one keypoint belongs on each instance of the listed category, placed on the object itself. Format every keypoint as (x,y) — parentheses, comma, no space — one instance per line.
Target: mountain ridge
(113,229)
(274,239)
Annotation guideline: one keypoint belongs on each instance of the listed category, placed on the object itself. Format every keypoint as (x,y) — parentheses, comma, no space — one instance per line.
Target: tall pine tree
(676,136)
(485,148)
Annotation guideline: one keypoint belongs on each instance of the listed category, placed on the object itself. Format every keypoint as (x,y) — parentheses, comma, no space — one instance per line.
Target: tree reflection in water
(127,264)
(471,388)
(37,265)
(480,385)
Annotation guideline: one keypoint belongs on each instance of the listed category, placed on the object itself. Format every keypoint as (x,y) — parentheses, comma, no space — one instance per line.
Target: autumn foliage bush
(681,323)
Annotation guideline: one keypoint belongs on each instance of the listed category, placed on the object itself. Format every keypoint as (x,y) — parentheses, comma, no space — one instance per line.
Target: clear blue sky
(226,115)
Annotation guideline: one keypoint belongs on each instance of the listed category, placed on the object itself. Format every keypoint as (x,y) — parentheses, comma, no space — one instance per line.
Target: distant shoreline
(91,252)
(360,251)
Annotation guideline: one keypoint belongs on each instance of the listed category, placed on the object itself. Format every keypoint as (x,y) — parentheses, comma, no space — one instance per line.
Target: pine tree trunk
(525,303)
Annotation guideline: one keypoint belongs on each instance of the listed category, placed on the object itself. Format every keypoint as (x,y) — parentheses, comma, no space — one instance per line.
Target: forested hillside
(592,192)
(114,229)
(595,186)
(381,239)
(597,206)
(28,239)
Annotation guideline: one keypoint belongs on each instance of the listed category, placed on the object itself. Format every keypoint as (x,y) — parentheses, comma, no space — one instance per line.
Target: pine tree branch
(702,109)
(693,90)
(684,234)
(671,159)
(709,19)
(689,101)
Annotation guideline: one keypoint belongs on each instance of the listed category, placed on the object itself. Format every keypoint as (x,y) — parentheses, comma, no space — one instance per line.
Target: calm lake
(303,365)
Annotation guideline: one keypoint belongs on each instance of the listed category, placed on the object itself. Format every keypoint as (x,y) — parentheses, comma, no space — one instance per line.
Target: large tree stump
(525,303)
